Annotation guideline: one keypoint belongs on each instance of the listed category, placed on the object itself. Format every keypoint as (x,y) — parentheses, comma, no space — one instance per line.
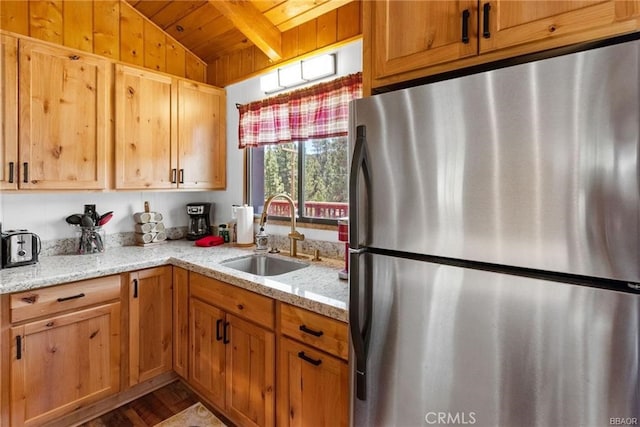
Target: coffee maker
(199,222)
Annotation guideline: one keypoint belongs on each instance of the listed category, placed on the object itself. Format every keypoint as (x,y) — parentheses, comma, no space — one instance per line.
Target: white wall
(44,213)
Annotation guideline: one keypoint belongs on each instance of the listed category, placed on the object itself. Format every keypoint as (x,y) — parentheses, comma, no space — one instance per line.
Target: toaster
(19,247)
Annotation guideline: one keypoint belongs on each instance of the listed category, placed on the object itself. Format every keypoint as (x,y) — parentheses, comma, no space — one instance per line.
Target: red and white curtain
(319,111)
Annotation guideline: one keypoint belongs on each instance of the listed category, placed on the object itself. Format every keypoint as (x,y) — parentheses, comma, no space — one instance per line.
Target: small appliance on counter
(199,220)
(19,247)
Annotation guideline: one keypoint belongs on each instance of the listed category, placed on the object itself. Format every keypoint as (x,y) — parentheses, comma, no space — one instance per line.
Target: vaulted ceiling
(215,28)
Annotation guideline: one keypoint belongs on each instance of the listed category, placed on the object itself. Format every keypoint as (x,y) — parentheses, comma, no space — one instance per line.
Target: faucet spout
(294,235)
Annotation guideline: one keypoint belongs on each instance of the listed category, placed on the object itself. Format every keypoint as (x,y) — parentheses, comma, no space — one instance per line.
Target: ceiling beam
(253,25)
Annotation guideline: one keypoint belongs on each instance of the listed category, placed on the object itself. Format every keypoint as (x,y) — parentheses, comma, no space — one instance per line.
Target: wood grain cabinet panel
(61,363)
(146,155)
(313,384)
(232,361)
(170,133)
(201,136)
(435,34)
(64,118)
(313,387)
(250,371)
(8,113)
(150,323)
(512,23)
(181,321)
(449,35)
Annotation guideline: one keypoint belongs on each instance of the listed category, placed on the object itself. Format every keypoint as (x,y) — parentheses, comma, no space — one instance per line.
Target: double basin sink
(264,265)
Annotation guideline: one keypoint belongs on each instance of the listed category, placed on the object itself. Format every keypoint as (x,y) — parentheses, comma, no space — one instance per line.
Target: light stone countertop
(316,287)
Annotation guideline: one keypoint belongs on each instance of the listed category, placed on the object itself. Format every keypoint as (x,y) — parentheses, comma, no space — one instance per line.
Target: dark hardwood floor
(151,409)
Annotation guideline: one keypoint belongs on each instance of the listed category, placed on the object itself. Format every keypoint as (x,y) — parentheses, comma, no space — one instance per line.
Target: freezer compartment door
(534,165)
(454,346)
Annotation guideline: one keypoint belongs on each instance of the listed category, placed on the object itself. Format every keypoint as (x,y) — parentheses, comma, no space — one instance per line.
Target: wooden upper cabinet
(8,113)
(406,40)
(414,34)
(170,133)
(201,136)
(64,118)
(146,154)
(511,23)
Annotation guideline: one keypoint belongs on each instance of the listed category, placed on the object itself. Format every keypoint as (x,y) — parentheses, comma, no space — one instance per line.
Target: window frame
(300,217)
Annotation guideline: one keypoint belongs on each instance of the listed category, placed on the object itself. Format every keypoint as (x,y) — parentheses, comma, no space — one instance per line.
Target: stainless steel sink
(264,265)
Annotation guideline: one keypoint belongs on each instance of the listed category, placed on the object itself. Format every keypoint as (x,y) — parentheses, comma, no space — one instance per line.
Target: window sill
(308,225)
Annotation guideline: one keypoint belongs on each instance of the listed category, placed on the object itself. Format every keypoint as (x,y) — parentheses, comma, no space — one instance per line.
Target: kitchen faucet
(294,236)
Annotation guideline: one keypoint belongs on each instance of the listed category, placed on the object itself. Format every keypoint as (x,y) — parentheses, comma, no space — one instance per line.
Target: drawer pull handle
(135,288)
(71,297)
(306,358)
(304,328)
(31,299)
(218,334)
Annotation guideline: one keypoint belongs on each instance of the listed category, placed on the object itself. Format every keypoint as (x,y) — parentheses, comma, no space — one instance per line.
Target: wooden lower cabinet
(150,323)
(61,363)
(250,382)
(232,360)
(181,321)
(313,387)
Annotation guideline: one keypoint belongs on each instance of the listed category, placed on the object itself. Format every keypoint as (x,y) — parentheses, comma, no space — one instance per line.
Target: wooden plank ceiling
(215,28)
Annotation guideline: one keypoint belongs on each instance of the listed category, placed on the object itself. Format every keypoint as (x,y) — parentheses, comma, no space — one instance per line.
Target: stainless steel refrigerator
(495,247)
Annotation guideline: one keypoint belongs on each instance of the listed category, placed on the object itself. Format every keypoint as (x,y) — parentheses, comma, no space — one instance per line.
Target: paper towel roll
(244,225)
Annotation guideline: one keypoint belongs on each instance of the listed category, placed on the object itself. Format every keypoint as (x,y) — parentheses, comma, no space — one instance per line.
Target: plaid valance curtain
(319,111)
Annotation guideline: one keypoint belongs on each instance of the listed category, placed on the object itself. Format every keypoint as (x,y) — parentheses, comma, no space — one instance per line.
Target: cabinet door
(313,387)
(8,113)
(62,363)
(150,323)
(206,363)
(180,321)
(250,373)
(145,129)
(64,118)
(409,35)
(511,23)
(201,136)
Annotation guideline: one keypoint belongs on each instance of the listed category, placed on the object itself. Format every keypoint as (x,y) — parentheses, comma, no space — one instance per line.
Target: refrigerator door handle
(359,162)
(360,323)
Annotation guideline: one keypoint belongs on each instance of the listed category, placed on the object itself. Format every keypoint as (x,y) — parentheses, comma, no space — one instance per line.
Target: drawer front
(315,329)
(246,304)
(46,301)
